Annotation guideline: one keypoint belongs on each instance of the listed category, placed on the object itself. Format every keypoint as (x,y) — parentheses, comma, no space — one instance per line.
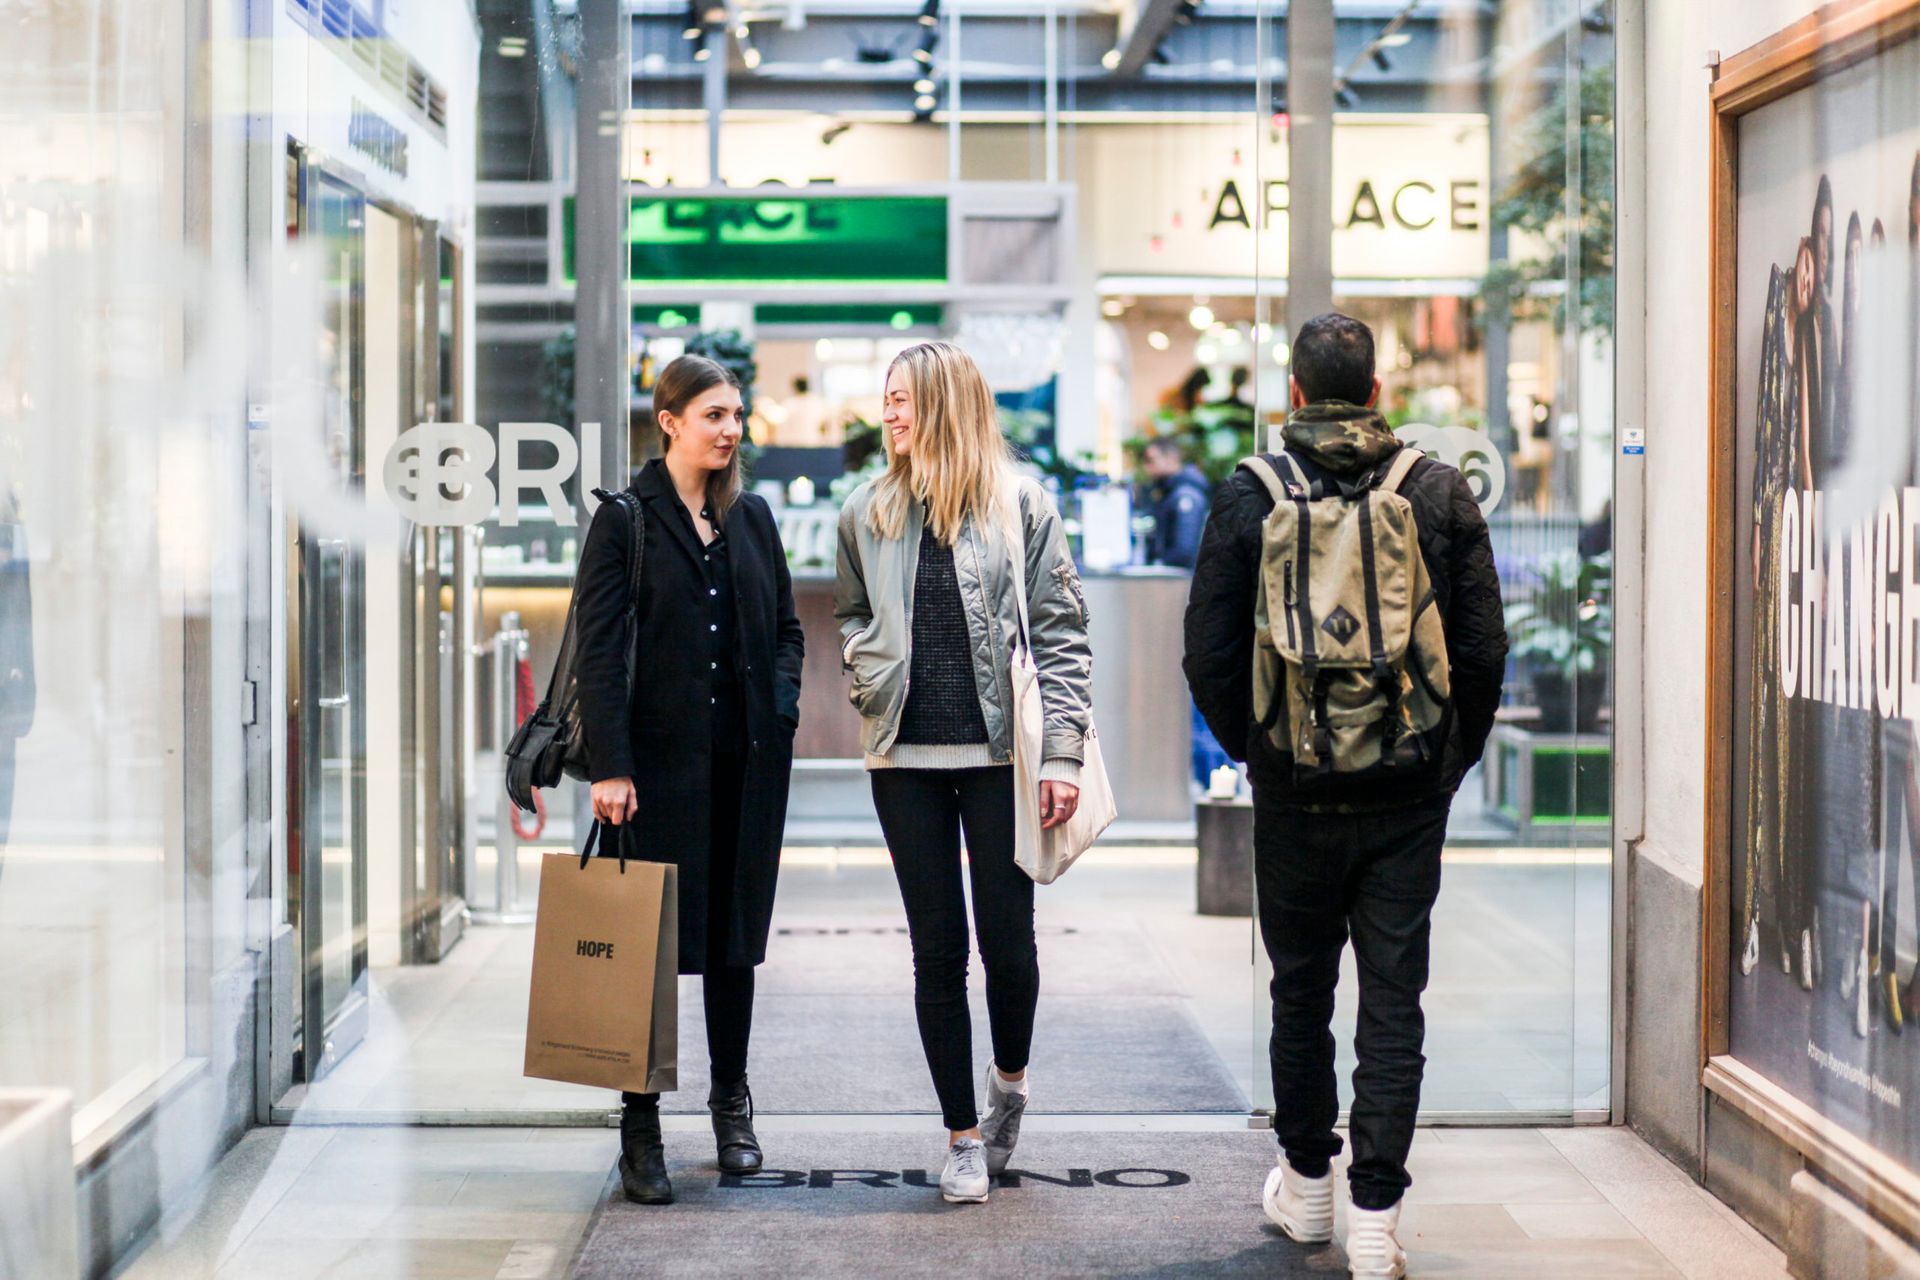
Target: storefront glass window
(122,445)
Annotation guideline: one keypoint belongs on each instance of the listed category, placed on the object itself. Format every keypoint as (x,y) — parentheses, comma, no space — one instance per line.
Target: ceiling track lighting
(1381,60)
(1346,97)
(930,13)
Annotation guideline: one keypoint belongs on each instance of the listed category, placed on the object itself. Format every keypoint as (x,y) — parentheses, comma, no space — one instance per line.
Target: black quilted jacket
(1219,632)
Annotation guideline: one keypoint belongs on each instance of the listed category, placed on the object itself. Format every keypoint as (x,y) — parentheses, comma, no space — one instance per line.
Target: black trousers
(922,813)
(726,990)
(1323,878)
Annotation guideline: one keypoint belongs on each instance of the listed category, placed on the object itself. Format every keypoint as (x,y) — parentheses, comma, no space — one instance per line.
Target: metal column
(1309,161)
(600,243)
(603,332)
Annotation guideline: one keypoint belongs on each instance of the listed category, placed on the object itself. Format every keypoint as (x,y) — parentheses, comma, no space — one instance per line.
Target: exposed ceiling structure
(902,56)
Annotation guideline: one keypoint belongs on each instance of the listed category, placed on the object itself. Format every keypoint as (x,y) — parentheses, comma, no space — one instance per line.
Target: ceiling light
(750,56)
(823,350)
(1230,336)
(1113,308)
(715,15)
(1110,59)
(702,54)
(930,13)
(924,102)
(741,32)
(923,56)
(692,32)
(654,63)
(1282,353)
(923,86)
(1205,353)
(1158,340)
(1201,317)
(511,50)
(1395,40)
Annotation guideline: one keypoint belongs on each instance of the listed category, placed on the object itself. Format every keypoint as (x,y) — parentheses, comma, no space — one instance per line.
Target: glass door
(327,846)
(1467,202)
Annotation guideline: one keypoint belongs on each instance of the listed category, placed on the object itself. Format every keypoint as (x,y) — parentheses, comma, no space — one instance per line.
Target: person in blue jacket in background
(1178,498)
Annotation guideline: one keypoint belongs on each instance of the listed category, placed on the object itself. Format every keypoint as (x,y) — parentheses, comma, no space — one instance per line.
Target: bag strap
(586,850)
(1402,463)
(1264,472)
(1013,528)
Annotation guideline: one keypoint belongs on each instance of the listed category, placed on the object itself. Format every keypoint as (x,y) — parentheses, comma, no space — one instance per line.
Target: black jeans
(922,813)
(726,990)
(1323,877)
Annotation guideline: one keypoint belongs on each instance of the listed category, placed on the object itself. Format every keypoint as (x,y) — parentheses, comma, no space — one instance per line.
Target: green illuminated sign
(825,314)
(805,239)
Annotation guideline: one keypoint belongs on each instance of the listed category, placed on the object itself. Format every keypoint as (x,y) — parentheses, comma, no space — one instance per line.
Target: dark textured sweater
(943,707)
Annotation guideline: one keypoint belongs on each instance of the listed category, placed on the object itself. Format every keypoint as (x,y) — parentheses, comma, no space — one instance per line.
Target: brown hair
(683,381)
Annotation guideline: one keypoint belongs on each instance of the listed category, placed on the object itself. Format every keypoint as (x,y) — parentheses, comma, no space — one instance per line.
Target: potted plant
(1560,632)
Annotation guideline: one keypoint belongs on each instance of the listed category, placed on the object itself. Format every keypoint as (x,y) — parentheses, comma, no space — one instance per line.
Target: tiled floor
(1516,1012)
(514,1204)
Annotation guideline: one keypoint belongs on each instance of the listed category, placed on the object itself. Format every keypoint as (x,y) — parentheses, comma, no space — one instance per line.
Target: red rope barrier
(523,705)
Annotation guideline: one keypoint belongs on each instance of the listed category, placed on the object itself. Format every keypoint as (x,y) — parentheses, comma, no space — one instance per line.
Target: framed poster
(1812,1018)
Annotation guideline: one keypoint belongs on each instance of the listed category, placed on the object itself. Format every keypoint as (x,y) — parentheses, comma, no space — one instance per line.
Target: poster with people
(1824,999)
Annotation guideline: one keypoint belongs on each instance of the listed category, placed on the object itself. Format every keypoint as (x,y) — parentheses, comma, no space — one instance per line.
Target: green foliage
(726,347)
(1535,201)
(1562,618)
(556,378)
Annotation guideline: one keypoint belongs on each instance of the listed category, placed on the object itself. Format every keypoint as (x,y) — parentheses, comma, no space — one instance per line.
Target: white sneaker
(1298,1205)
(1000,1127)
(1373,1245)
(964,1180)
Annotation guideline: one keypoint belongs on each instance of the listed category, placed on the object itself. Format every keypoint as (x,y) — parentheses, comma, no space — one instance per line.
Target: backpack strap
(1267,476)
(1402,463)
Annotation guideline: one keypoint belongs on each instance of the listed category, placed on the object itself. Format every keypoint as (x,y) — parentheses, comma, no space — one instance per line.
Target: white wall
(1680,33)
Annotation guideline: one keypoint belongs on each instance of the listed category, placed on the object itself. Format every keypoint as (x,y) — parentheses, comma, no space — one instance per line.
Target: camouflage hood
(1344,438)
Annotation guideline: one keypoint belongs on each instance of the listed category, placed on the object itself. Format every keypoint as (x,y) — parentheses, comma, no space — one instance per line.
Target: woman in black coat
(694,770)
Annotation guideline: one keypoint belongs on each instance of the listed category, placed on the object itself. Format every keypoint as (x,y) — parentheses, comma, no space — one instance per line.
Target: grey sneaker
(1000,1127)
(964,1180)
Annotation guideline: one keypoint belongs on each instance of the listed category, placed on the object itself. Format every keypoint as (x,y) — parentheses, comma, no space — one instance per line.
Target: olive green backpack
(1349,660)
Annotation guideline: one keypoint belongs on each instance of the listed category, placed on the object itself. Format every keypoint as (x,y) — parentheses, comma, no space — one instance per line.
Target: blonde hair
(959,462)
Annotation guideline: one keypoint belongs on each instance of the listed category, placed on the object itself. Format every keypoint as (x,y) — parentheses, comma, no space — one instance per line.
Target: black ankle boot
(643,1156)
(732,1107)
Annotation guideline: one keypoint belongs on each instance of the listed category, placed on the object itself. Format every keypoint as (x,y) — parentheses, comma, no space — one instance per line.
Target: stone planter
(1224,832)
(38,1232)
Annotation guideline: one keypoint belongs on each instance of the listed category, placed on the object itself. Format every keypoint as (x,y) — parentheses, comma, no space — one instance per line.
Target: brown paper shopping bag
(604,1006)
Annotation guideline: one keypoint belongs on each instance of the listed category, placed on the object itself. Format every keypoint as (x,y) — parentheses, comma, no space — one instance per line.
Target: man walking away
(1350,808)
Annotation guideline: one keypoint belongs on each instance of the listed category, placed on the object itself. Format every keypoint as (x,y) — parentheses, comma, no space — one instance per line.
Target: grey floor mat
(834,1027)
(1087,1204)
(843,1054)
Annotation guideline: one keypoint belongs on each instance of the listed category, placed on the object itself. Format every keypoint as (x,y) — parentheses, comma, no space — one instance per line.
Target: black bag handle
(586,850)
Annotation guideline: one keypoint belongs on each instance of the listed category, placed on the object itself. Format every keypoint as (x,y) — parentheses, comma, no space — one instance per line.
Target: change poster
(1825,858)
